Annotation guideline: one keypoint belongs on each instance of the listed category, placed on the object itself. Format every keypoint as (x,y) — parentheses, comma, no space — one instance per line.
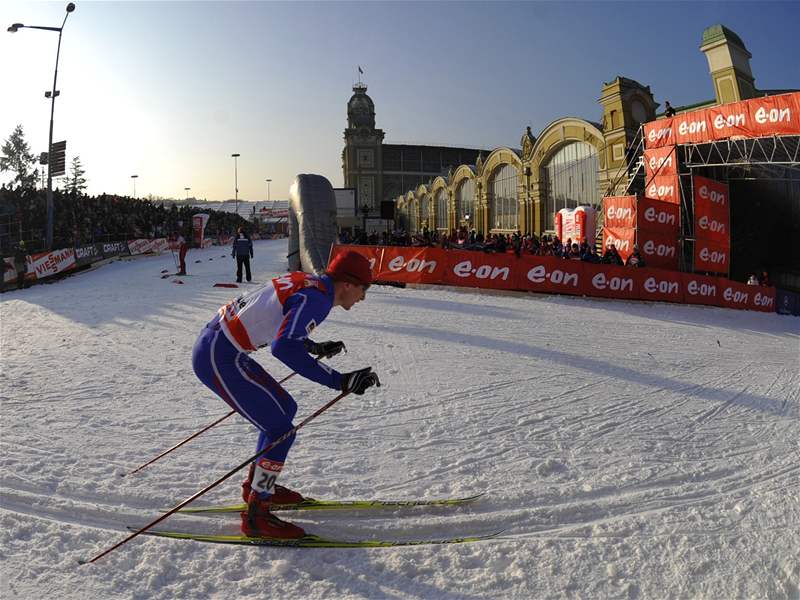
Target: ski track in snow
(629,450)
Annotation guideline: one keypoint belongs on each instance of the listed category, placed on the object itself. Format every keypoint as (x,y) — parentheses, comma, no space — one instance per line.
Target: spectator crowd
(79,220)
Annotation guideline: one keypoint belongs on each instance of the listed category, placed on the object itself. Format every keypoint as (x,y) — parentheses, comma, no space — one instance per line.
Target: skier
(242,251)
(280,314)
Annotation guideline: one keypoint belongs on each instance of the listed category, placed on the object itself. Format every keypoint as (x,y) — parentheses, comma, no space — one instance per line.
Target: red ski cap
(352,267)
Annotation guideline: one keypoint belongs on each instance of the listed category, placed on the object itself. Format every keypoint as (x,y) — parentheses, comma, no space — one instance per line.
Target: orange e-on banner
(658,249)
(412,264)
(666,188)
(479,269)
(661,286)
(775,115)
(711,210)
(702,289)
(619,211)
(551,274)
(757,117)
(659,133)
(659,217)
(711,257)
(660,161)
(622,238)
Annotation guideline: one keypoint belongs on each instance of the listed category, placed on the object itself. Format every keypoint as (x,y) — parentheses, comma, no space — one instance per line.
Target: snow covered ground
(629,450)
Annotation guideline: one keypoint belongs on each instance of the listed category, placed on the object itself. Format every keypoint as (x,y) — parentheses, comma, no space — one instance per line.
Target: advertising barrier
(111,249)
(549,274)
(51,263)
(85,255)
(787,303)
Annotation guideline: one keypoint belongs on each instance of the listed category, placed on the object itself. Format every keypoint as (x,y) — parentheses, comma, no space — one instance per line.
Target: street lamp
(52,95)
(268,195)
(236,178)
(134,177)
(187,193)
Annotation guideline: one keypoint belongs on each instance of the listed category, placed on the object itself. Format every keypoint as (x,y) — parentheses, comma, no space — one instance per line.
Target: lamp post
(236,178)
(52,95)
(186,189)
(134,177)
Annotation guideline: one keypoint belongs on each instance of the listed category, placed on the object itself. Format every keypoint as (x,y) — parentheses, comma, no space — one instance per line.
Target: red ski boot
(258,521)
(282,495)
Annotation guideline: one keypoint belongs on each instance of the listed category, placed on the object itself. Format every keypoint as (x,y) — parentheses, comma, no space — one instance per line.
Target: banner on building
(757,117)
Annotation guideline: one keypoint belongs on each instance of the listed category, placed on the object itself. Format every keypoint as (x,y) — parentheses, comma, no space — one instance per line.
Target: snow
(629,450)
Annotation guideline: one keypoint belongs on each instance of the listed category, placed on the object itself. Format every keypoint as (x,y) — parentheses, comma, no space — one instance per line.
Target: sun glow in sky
(169,90)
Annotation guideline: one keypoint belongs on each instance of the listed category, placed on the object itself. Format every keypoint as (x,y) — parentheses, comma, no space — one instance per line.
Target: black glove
(324,349)
(358,381)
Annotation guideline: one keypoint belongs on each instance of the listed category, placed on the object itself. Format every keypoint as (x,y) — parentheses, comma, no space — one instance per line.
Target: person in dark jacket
(242,251)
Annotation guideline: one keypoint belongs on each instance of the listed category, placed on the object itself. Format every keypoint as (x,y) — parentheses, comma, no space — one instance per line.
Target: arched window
(570,179)
(503,194)
(465,202)
(441,209)
(424,203)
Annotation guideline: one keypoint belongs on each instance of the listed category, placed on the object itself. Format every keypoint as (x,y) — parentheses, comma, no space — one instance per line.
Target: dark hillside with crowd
(80,219)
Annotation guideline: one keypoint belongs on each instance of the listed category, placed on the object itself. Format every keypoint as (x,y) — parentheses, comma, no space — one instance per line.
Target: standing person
(183,248)
(21,263)
(242,252)
(281,315)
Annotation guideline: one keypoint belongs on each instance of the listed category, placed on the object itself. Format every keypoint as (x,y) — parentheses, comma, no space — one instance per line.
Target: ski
(313,541)
(310,504)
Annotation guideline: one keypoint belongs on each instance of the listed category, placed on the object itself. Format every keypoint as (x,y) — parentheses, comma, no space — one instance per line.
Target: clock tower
(362,160)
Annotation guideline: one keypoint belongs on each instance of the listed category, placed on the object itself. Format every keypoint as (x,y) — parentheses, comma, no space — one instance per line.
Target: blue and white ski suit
(281,314)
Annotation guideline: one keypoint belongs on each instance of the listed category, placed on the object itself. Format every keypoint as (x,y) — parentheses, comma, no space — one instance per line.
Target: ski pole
(233,471)
(191,437)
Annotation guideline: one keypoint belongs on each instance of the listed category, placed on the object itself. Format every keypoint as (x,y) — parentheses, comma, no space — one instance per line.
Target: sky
(169,90)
